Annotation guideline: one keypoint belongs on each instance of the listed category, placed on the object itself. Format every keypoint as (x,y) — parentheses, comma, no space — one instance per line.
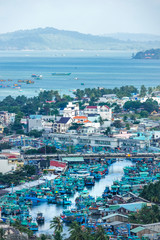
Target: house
(62,125)
(140,231)
(34,124)
(71,110)
(115,217)
(104,111)
(131,197)
(80,119)
(7,118)
(1,129)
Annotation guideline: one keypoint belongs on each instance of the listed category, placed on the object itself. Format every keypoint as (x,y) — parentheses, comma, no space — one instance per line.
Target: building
(90,140)
(104,111)
(62,125)
(71,110)
(7,118)
(34,124)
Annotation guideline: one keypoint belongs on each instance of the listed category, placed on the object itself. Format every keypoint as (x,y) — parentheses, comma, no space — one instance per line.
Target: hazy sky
(86,16)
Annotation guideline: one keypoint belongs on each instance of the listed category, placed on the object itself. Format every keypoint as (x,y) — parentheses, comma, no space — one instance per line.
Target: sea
(89,69)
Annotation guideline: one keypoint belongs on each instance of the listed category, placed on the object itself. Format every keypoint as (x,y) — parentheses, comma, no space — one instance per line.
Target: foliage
(22,228)
(151,192)
(149,105)
(117,124)
(16,176)
(30,170)
(146,215)
(143,91)
(107,131)
(75,126)
(35,133)
(5,145)
(95,93)
(42,150)
(152,54)
(56,223)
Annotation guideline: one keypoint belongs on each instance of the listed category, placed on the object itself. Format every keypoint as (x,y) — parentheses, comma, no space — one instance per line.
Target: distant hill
(136,37)
(54,39)
(148,54)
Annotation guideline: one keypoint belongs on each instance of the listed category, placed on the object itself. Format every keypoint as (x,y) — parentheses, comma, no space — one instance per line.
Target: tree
(117,124)
(108,131)
(57,224)
(150,90)
(143,91)
(30,170)
(125,118)
(76,232)
(100,234)
(127,126)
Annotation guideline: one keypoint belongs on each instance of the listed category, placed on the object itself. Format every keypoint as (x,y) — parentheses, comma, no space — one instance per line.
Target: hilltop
(54,39)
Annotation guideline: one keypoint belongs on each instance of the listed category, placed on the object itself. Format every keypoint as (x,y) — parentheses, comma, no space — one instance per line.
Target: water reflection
(51,210)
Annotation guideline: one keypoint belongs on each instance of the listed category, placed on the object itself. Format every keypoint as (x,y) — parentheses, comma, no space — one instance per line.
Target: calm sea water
(91,68)
(51,210)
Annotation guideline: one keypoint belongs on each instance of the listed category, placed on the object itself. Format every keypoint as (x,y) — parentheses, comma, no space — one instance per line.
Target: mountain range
(54,39)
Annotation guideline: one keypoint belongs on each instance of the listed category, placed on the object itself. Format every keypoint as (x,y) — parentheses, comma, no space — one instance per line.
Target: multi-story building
(71,110)
(104,111)
(62,125)
(6,118)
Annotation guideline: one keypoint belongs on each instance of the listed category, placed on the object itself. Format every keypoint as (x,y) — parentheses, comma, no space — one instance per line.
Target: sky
(87,16)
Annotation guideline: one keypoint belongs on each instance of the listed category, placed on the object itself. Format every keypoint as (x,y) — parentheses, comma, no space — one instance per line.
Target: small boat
(40,218)
(82,83)
(61,74)
(35,76)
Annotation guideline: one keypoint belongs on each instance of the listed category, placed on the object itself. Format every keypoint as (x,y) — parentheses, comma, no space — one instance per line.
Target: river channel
(51,210)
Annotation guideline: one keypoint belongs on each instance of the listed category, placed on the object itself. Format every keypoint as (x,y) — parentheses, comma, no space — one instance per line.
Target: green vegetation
(42,150)
(22,229)
(146,215)
(17,176)
(151,192)
(149,105)
(76,232)
(148,54)
(54,39)
(95,93)
(35,133)
(5,145)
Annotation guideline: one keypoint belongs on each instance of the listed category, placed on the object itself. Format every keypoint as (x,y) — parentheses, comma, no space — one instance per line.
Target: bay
(90,68)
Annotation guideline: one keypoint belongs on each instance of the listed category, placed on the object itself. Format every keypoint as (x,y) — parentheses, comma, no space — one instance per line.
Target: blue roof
(35,116)
(133,206)
(64,120)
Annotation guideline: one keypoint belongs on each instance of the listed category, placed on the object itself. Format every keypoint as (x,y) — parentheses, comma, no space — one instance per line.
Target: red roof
(57,164)
(105,106)
(93,107)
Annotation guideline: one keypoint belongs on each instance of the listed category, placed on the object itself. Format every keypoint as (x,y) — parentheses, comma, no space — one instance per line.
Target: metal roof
(137,229)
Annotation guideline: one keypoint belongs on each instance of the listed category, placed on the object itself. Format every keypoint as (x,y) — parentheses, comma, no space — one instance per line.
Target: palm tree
(56,224)
(100,234)
(1,233)
(76,232)
(57,236)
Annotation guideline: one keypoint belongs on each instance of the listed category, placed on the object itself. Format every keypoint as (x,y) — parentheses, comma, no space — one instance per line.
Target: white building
(71,110)
(62,125)
(104,111)
(7,118)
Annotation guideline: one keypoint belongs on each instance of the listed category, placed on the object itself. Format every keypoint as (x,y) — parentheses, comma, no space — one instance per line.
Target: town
(55,148)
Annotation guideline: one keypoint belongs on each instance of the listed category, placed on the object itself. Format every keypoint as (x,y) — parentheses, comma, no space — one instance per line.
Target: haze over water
(90,68)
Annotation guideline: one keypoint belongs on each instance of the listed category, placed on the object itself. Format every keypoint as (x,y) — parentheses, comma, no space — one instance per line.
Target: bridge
(92,156)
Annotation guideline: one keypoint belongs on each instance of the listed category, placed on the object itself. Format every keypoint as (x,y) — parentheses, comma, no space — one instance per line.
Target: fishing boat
(36,76)
(40,218)
(61,74)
